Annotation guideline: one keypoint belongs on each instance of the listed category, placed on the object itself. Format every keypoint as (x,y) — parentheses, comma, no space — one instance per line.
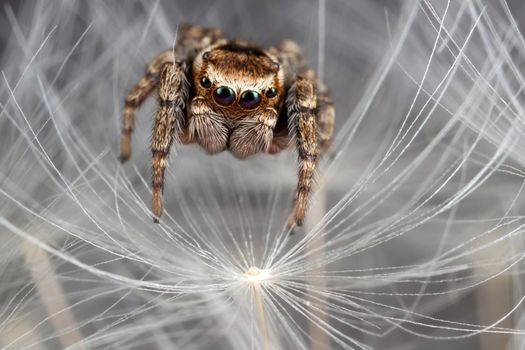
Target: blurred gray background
(268,21)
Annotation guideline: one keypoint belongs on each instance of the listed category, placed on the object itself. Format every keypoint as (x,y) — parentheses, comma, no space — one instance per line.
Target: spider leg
(136,97)
(170,118)
(325,112)
(310,120)
(191,39)
(325,116)
(291,58)
(301,105)
(169,122)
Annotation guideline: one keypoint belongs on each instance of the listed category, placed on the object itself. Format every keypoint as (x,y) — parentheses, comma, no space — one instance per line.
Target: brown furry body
(233,95)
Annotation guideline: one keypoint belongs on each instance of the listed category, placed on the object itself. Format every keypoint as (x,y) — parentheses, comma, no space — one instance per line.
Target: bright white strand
(321,29)
(414,198)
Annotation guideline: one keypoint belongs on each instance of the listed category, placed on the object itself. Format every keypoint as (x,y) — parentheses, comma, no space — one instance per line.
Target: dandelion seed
(255,275)
(418,216)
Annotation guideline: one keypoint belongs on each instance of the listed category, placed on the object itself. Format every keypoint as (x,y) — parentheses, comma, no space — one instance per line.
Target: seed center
(256,275)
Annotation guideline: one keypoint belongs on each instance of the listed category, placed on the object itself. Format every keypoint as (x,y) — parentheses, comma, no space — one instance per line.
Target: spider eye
(224,95)
(250,99)
(205,82)
(271,92)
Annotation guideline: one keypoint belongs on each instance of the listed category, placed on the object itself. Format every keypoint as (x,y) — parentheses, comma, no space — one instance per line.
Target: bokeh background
(414,235)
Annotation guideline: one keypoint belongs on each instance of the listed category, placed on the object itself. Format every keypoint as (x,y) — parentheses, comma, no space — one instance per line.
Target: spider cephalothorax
(233,95)
(238,92)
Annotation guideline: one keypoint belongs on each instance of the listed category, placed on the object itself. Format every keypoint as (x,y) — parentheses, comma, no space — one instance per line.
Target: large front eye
(224,95)
(250,99)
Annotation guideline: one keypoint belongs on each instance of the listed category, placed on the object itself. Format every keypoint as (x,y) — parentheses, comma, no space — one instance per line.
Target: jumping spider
(230,94)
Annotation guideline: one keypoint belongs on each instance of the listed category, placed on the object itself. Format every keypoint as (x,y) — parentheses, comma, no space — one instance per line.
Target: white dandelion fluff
(413,235)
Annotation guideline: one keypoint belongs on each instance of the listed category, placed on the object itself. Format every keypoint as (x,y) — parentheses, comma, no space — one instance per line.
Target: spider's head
(238,79)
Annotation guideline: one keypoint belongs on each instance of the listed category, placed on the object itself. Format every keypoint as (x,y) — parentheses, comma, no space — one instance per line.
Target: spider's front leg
(169,122)
(191,39)
(170,119)
(136,97)
(301,105)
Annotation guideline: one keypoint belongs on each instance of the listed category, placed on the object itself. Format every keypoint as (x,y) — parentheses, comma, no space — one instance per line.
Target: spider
(233,95)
